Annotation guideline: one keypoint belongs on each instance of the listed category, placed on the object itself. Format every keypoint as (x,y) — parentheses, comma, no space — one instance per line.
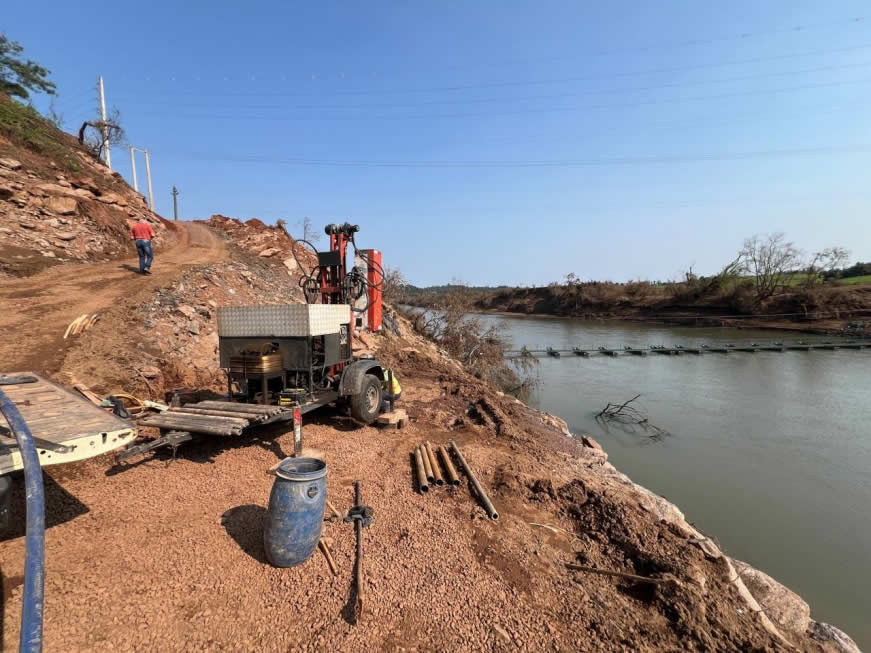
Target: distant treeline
(856,270)
(413,291)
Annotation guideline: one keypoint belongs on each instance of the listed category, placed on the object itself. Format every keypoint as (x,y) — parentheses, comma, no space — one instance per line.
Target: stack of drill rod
(212,417)
(426,464)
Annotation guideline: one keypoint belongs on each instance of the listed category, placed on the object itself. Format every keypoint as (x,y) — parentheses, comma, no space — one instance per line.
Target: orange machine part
(373,264)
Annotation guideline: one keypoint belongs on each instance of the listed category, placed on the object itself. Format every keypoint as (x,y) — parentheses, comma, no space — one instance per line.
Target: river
(768,452)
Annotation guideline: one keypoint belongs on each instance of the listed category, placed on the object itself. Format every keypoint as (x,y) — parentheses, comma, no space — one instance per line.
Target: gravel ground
(164,557)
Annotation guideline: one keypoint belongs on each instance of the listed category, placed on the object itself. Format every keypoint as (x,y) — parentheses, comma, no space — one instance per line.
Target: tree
(18,77)
(824,263)
(772,261)
(103,131)
(393,286)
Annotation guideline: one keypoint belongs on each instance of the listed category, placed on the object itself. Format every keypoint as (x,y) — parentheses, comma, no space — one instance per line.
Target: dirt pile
(272,243)
(175,330)
(57,203)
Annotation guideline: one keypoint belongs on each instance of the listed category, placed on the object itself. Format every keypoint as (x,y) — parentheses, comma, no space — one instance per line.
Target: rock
(194,327)
(27,225)
(60,243)
(48,254)
(827,633)
(502,633)
(213,303)
(591,443)
(785,608)
(4,230)
(150,372)
(6,192)
(61,205)
(66,235)
(269,251)
(63,182)
(112,198)
(12,164)
(53,222)
(290,264)
(54,189)
(187,311)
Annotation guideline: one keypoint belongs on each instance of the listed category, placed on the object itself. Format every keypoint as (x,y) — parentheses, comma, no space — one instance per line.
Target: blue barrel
(296,511)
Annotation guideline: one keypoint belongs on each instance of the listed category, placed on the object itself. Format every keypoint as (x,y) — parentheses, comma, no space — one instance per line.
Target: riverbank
(825,309)
(187,540)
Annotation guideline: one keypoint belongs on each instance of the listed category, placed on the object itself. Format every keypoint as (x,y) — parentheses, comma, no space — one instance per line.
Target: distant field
(853,281)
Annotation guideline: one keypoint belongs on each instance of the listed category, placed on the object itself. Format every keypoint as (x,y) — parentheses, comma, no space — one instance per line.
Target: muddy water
(769,452)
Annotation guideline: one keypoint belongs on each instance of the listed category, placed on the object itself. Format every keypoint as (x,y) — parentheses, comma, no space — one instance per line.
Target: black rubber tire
(366,405)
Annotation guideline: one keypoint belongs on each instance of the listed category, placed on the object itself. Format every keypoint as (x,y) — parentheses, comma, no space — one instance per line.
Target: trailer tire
(366,404)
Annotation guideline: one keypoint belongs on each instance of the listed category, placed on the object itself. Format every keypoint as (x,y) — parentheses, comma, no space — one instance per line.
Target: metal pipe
(434,463)
(358,568)
(219,413)
(482,494)
(182,425)
(237,407)
(205,419)
(427,465)
(421,472)
(32,601)
(453,479)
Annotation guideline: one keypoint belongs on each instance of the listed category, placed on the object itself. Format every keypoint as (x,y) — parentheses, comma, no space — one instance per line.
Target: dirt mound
(272,243)
(57,203)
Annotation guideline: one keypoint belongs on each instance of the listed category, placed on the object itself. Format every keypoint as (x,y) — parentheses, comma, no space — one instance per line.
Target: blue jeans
(146,254)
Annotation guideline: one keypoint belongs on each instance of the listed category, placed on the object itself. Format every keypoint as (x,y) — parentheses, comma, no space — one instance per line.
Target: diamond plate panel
(284,321)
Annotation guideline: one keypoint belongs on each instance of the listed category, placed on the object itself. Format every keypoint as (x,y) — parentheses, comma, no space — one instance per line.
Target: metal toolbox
(285,321)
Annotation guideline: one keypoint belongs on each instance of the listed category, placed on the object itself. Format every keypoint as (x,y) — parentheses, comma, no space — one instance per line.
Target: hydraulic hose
(34,561)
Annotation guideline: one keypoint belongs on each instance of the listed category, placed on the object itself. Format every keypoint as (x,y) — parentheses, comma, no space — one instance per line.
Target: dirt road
(42,306)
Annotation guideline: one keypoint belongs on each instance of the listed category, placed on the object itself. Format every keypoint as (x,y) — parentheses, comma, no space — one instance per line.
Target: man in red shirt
(143,233)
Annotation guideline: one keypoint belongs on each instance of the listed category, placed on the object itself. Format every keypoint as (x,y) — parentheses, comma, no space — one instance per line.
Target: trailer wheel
(365,405)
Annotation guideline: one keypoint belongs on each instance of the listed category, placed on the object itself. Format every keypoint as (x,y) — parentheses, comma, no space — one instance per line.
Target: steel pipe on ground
(434,463)
(479,489)
(453,479)
(421,472)
(427,465)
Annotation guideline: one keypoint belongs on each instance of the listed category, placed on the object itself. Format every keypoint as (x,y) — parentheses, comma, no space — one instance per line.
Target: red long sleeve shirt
(142,231)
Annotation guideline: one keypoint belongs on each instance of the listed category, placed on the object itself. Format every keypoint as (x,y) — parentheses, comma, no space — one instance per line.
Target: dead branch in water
(628,418)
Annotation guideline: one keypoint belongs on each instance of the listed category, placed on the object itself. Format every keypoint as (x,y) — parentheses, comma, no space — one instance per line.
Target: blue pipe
(34,561)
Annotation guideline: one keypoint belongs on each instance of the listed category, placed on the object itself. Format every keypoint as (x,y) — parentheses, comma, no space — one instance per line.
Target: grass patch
(24,125)
(855,281)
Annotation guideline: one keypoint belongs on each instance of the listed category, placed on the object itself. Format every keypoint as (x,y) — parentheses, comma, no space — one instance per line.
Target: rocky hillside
(57,203)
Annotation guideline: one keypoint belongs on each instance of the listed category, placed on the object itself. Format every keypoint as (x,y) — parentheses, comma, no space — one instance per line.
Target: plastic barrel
(295,515)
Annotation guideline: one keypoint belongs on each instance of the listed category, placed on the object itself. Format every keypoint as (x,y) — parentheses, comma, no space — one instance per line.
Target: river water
(768,452)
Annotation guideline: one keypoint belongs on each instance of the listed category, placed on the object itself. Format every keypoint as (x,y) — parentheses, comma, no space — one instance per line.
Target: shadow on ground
(245,525)
(60,506)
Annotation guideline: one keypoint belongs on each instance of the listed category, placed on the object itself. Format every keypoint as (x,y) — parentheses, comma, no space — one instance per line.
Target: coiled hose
(32,601)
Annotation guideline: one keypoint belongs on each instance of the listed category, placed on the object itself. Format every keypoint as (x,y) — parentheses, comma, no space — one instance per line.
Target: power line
(490,114)
(631,89)
(612,161)
(534,82)
(794,29)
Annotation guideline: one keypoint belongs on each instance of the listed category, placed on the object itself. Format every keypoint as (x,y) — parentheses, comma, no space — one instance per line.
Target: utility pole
(133,167)
(148,174)
(174,203)
(108,154)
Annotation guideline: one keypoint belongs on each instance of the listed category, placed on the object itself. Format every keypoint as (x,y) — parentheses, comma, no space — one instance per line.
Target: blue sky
(490,141)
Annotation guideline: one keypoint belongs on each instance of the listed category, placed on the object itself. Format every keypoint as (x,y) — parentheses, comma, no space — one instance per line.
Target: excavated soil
(160,557)
(164,556)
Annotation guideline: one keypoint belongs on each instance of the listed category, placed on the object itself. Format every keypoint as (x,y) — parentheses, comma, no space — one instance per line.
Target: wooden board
(396,419)
(61,416)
